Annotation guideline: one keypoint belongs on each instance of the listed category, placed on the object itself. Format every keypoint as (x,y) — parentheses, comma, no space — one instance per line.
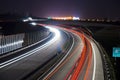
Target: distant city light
(49,18)
(76,18)
(64,18)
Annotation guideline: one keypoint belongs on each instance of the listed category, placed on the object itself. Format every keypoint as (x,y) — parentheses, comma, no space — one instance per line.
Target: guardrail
(10,42)
(22,50)
(107,65)
(13,42)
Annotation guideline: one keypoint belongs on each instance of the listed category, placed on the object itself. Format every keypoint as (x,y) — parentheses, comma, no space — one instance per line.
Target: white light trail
(94,69)
(76,18)
(28,19)
(61,60)
(55,38)
(55,31)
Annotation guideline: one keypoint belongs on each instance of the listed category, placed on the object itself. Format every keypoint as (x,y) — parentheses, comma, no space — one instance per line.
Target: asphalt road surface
(82,61)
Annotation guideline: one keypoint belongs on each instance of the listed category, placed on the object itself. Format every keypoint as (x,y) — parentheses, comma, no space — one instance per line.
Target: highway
(83,63)
(80,60)
(21,66)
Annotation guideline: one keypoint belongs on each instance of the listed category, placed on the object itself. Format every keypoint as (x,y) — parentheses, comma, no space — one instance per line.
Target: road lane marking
(11,61)
(49,74)
(94,70)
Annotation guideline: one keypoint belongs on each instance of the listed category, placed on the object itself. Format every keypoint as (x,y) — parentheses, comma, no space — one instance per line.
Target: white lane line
(94,70)
(27,46)
(60,61)
(22,56)
(4,64)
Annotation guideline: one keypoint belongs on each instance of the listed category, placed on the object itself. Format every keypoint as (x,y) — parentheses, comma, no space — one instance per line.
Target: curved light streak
(47,76)
(55,31)
(56,37)
(94,70)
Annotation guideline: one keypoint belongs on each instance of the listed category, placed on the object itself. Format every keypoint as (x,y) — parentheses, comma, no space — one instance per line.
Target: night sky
(81,8)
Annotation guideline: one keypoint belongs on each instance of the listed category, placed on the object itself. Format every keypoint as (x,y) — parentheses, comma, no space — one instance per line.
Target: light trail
(57,66)
(55,38)
(62,62)
(74,76)
(94,70)
(55,31)
(89,61)
(79,65)
(80,62)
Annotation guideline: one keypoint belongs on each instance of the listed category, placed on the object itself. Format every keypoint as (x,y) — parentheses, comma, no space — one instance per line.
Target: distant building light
(83,19)
(88,19)
(108,20)
(93,19)
(49,18)
(76,18)
(64,18)
(98,20)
